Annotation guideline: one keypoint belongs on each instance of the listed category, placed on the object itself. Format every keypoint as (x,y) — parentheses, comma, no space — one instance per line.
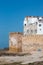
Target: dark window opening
(40,29)
(36,31)
(28,31)
(31,31)
(25,24)
(40,19)
(39,24)
(36,22)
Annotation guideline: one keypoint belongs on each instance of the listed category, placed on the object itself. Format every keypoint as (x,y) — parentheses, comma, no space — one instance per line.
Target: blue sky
(12,13)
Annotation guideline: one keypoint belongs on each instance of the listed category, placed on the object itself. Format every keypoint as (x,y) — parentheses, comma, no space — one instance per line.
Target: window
(31,24)
(40,29)
(39,24)
(27,31)
(35,31)
(25,24)
(31,31)
(40,20)
(36,22)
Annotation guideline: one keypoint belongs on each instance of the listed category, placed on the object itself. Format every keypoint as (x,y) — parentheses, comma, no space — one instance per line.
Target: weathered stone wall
(20,43)
(32,43)
(15,42)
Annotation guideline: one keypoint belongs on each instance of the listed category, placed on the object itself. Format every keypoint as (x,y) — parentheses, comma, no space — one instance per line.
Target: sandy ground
(36,56)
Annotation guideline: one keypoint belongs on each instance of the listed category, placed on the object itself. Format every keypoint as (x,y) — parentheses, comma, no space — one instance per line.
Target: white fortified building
(33,25)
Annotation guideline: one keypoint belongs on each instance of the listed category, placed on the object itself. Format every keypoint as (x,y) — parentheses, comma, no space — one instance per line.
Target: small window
(39,24)
(28,31)
(25,24)
(35,31)
(31,31)
(40,20)
(31,24)
(40,29)
(36,22)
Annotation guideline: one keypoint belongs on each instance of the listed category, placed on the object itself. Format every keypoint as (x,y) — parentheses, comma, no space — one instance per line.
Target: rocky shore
(35,58)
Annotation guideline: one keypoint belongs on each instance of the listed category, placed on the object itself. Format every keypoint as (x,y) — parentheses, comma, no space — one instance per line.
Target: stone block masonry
(20,43)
